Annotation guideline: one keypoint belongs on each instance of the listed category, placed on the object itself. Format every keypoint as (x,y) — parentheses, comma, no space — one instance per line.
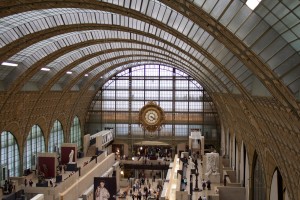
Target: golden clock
(151,117)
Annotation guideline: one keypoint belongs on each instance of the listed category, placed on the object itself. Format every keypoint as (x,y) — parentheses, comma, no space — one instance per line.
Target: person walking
(203,184)
(25,182)
(208,183)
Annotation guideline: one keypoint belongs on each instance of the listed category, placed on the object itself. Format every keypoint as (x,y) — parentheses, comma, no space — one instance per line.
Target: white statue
(71,156)
(212,163)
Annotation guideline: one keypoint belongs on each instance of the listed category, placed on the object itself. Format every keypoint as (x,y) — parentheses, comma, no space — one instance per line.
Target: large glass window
(181,106)
(35,143)
(178,94)
(76,132)
(122,129)
(166,71)
(166,105)
(122,84)
(137,95)
(138,85)
(151,95)
(137,71)
(136,129)
(195,95)
(166,95)
(196,106)
(137,105)
(181,95)
(152,70)
(122,94)
(108,94)
(151,84)
(181,130)
(166,85)
(123,106)
(56,137)
(182,85)
(166,130)
(109,105)
(10,161)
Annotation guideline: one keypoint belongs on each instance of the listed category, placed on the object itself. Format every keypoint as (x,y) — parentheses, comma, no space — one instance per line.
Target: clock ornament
(151,117)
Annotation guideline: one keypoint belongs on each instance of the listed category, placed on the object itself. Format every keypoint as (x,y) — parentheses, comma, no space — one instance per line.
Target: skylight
(9,64)
(45,69)
(252,4)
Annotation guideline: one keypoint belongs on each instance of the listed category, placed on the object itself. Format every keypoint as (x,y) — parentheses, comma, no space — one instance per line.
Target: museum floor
(153,188)
(195,195)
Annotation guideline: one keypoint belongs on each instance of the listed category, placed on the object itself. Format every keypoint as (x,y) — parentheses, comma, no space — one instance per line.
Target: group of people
(26,182)
(202,198)
(206,184)
(141,189)
(8,187)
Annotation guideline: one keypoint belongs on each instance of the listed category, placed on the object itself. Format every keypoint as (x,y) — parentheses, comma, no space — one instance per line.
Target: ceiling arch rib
(175,53)
(33,48)
(108,68)
(25,52)
(93,5)
(124,54)
(174,19)
(106,76)
(236,82)
(97,81)
(60,61)
(260,34)
(88,70)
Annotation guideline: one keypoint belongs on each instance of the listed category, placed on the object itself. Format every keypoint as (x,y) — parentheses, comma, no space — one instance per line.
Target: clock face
(151,117)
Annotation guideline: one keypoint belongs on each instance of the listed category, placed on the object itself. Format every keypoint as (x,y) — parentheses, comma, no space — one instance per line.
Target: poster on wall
(105,188)
(46,166)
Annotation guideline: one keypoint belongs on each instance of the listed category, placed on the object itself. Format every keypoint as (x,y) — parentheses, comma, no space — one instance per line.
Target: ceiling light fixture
(69,72)
(252,4)
(45,69)
(10,64)
(86,75)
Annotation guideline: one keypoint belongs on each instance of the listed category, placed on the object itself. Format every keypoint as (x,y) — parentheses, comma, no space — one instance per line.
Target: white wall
(286,195)
(247,178)
(223,141)
(237,165)
(38,197)
(241,165)
(232,150)
(274,187)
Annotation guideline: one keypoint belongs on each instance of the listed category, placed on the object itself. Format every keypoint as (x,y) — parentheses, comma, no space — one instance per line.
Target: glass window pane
(56,137)
(10,154)
(180,96)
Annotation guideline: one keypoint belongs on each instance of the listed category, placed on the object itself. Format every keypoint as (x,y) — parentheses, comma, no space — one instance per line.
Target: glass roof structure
(224,45)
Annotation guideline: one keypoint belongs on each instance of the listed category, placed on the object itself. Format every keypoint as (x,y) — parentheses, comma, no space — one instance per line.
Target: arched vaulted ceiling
(224,45)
